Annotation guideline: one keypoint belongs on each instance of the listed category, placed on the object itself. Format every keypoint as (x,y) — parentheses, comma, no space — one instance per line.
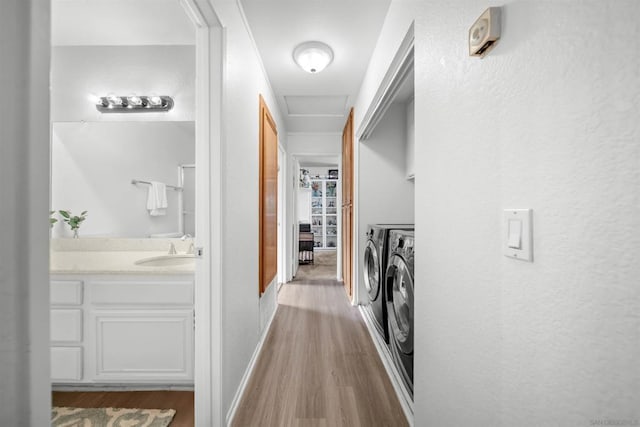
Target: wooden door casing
(347,205)
(268,198)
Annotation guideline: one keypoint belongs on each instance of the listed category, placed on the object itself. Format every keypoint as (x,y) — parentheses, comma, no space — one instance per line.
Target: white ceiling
(120,22)
(315,102)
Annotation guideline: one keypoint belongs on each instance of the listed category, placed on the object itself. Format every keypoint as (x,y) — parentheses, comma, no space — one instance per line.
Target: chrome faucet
(192,248)
(172,249)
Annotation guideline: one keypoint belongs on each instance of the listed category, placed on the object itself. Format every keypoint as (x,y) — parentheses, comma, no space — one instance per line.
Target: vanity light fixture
(313,56)
(134,104)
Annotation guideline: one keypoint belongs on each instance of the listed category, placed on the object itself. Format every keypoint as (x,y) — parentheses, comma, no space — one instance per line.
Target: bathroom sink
(167,260)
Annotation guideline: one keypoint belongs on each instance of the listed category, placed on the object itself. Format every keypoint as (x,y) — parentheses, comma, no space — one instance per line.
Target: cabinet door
(142,346)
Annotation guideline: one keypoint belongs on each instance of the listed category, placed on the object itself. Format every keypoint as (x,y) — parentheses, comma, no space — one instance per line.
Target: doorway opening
(106,333)
(318,218)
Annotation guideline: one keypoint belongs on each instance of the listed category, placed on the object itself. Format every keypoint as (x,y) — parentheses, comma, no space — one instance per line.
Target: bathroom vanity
(117,322)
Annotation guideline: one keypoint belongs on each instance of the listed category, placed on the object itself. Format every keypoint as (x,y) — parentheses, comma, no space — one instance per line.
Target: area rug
(110,417)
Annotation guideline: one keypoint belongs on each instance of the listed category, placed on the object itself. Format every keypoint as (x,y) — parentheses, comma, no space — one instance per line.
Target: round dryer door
(400,297)
(371,270)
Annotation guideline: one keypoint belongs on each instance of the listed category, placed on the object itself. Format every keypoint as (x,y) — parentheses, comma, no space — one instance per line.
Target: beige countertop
(113,256)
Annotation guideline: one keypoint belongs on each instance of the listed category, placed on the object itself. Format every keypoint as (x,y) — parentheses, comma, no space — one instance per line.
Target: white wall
(303,205)
(548,121)
(24,169)
(315,143)
(93,164)
(78,71)
(384,193)
(243,311)
(120,22)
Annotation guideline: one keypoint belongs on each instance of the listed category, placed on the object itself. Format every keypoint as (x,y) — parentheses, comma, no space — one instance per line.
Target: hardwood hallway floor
(318,366)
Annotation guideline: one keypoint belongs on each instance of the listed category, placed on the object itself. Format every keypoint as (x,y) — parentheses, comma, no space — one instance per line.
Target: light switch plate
(525,253)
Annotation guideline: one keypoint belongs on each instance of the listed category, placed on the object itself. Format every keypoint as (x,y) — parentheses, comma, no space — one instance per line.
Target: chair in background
(305,244)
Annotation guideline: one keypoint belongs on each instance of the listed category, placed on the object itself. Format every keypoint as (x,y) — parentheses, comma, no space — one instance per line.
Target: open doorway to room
(318,217)
(126,156)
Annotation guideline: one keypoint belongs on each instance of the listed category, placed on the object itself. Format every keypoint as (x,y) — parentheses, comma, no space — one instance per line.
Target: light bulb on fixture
(313,57)
(114,100)
(155,100)
(134,100)
(95,99)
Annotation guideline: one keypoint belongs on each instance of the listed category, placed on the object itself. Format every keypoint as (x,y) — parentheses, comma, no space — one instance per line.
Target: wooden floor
(181,401)
(318,366)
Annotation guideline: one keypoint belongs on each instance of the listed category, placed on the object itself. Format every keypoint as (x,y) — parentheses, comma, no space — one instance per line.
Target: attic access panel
(332,106)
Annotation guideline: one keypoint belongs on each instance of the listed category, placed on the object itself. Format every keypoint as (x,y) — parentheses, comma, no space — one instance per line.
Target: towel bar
(139,181)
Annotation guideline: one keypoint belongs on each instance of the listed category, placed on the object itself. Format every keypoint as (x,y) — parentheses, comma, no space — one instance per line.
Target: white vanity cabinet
(131,329)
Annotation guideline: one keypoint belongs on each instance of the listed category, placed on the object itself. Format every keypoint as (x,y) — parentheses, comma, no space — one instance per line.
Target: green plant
(74,221)
(52,220)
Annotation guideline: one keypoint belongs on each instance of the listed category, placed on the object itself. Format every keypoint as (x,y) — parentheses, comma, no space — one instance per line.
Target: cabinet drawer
(142,293)
(66,325)
(66,363)
(66,292)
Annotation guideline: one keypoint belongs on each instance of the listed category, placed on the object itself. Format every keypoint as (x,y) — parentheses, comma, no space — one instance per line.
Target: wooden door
(347,205)
(268,198)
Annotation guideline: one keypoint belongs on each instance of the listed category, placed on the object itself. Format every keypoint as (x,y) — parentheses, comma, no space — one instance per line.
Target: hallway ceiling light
(313,57)
(133,104)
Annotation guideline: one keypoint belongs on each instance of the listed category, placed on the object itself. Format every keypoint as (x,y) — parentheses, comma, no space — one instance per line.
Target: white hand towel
(157,199)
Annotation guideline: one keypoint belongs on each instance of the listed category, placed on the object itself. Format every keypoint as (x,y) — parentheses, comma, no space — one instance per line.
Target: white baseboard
(119,387)
(406,401)
(247,373)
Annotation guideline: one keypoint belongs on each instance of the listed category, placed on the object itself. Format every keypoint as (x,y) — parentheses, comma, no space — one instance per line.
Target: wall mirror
(92,168)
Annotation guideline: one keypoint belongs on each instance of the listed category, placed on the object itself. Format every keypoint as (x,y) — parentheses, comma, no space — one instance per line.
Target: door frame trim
(282,216)
(210,72)
(352,292)
(295,157)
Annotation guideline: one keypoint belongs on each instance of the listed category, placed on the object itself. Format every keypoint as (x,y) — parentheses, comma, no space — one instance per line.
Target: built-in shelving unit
(324,213)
